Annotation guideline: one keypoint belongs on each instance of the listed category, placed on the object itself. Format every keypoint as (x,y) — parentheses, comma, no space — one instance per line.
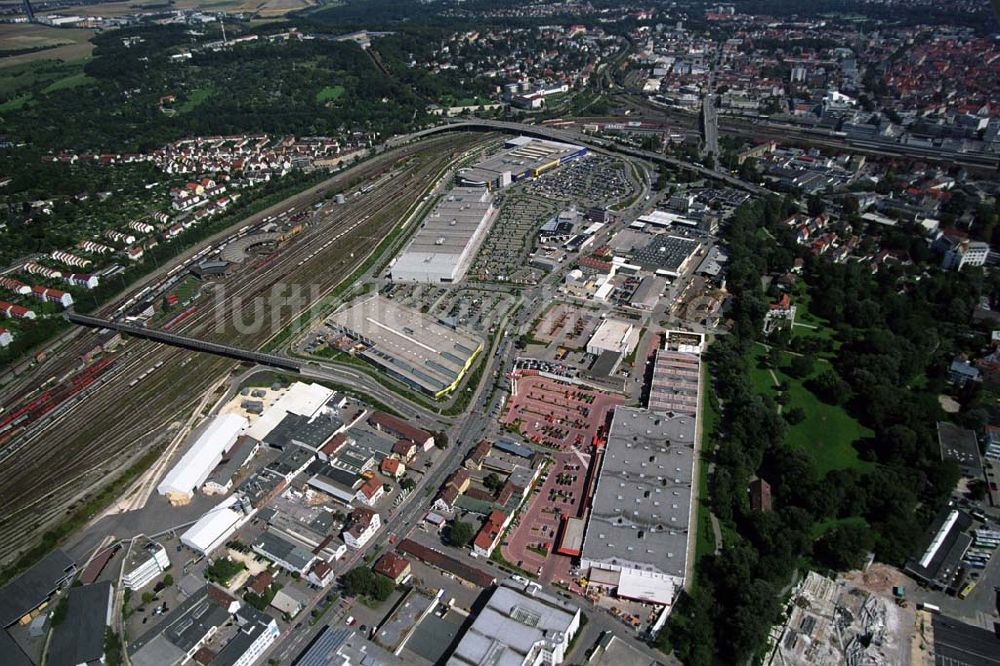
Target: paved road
(354,378)
(710,120)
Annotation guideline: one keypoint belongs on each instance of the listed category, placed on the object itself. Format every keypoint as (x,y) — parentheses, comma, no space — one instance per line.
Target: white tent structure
(201,458)
(215,527)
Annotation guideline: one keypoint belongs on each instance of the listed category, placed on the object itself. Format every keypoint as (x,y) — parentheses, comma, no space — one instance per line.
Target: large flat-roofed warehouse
(637,535)
(411,346)
(448,238)
(666,254)
(522,157)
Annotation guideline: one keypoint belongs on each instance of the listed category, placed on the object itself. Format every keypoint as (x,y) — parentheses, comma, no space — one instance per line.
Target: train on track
(30,411)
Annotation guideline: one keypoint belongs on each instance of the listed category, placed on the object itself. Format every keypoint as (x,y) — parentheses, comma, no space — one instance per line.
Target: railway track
(65,458)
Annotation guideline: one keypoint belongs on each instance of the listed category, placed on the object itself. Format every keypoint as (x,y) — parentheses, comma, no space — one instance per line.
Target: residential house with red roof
(489,534)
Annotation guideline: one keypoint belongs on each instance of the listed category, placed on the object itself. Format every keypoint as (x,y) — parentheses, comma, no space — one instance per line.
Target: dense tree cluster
(362,581)
(217,92)
(890,337)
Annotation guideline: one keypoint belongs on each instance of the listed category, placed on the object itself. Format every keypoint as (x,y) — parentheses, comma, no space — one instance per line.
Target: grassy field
(71,81)
(824,526)
(807,323)
(827,432)
(330,93)
(19,84)
(65,43)
(197,97)
(263,8)
(15,104)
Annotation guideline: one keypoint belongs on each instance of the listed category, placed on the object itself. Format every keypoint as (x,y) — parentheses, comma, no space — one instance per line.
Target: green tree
(493,481)
(801,366)
(59,614)
(460,533)
(112,648)
(362,581)
(815,205)
(844,547)
(359,581)
(795,415)
(830,388)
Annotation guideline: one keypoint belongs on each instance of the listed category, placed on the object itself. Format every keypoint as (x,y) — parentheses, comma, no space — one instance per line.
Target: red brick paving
(558,414)
(538,524)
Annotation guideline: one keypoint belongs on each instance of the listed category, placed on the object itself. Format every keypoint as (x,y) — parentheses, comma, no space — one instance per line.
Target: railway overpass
(185,342)
(565,136)
(341,375)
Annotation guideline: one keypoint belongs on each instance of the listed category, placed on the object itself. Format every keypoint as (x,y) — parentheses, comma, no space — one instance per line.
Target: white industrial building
(301,399)
(362,525)
(444,246)
(664,219)
(201,458)
(215,527)
(146,561)
(614,335)
(520,626)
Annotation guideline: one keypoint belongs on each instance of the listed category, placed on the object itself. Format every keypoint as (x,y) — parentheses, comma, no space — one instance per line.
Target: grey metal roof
(323,649)
(513,622)
(183,628)
(79,639)
(511,446)
(642,502)
(433,637)
(301,430)
(275,547)
(233,460)
(665,252)
(23,594)
(255,623)
(396,628)
(11,653)
(962,446)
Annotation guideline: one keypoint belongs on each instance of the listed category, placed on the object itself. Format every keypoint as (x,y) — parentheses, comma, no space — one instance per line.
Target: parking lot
(474,309)
(559,415)
(596,180)
(566,324)
(503,255)
(533,538)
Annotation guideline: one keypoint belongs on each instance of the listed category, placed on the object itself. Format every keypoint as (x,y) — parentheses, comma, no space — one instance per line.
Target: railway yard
(139,401)
(485,334)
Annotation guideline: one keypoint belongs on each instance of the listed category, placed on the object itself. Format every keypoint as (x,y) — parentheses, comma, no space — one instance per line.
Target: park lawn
(828,431)
(330,93)
(822,527)
(72,81)
(760,377)
(815,325)
(16,103)
(196,98)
